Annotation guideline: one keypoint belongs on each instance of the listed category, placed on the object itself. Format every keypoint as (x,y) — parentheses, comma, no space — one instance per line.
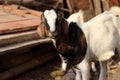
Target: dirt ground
(43,72)
(115,74)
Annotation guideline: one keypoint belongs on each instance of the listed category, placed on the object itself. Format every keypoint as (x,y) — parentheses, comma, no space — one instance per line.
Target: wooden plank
(12,22)
(70,6)
(9,48)
(21,12)
(89,13)
(3,13)
(97,6)
(23,55)
(27,66)
(105,5)
(114,3)
(15,38)
(12,18)
(19,26)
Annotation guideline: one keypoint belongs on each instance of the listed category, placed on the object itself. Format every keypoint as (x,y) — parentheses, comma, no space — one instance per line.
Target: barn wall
(94,7)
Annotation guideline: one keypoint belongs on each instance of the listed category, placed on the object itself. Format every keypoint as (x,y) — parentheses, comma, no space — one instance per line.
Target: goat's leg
(93,67)
(64,63)
(78,75)
(85,69)
(103,70)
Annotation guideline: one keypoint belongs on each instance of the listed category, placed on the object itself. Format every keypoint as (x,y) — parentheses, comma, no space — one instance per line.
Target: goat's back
(101,35)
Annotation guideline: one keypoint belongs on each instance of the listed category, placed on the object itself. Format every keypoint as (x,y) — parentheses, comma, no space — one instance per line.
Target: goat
(102,38)
(116,58)
(68,38)
(100,33)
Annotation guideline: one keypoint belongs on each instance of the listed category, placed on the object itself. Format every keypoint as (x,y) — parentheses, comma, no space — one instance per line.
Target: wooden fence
(94,7)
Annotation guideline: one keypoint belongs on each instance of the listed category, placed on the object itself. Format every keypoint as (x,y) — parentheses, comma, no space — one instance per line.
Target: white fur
(101,35)
(76,17)
(78,75)
(115,10)
(64,63)
(102,39)
(64,66)
(51,16)
(93,67)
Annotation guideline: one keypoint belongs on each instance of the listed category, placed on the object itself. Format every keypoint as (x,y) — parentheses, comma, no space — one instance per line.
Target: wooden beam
(19,37)
(21,56)
(105,5)
(89,13)
(17,26)
(97,6)
(12,48)
(26,66)
(35,4)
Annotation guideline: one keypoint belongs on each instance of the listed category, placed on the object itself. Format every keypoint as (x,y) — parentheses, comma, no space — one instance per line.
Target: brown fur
(42,30)
(70,40)
(65,47)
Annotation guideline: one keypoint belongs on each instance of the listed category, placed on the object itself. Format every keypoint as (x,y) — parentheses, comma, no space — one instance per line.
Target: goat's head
(54,22)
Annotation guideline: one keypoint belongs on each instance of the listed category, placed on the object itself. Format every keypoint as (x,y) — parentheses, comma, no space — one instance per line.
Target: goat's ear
(42,31)
(59,12)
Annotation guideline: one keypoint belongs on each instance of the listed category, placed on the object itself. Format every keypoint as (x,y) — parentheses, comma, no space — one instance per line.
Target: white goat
(102,38)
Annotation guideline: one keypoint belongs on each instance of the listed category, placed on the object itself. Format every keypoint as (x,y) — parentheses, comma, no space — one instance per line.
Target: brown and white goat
(68,39)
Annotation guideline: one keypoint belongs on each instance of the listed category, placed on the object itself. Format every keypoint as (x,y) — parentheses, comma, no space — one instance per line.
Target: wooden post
(114,2)
(70,6)
(97,6)
(105,4)
(89,13)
